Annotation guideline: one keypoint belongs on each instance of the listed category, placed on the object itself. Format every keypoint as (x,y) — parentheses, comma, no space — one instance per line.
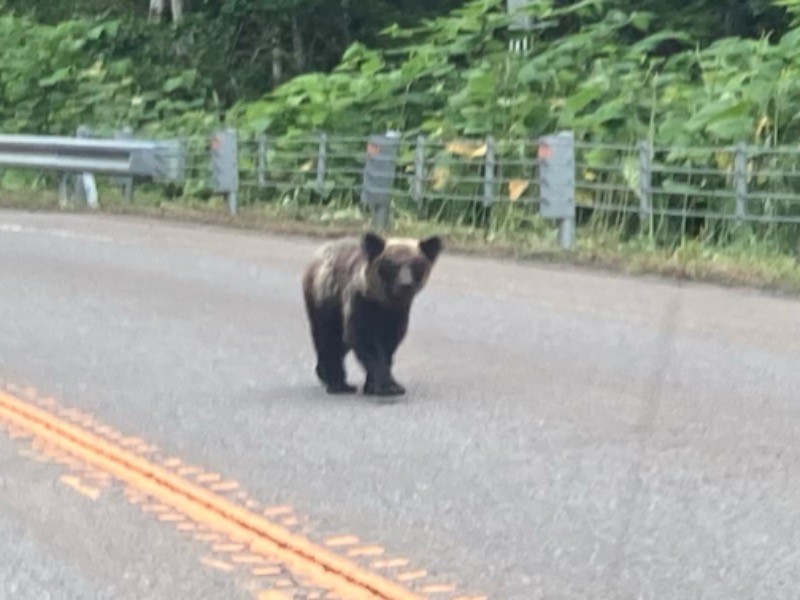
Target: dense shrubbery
(606,79)
(88,71)
(607,72)
(668,72)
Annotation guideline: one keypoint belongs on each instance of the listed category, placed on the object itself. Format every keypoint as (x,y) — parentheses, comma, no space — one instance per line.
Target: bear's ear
(373,245)
(431,247)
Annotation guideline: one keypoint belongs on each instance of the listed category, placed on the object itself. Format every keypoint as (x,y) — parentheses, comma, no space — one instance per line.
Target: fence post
(645,181)
(321,162)
(566,233)
(85,184)
(225,166)
(261,161)
(63,190)
(556,157)
(126,183)
(488,172)
(378,176)
(419,169)
(740,180)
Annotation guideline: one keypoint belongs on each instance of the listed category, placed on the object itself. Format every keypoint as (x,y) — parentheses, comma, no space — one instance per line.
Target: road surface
(565,435)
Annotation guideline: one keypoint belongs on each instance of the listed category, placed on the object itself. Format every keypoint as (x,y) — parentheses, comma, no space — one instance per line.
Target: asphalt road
(59,545)
(566,434)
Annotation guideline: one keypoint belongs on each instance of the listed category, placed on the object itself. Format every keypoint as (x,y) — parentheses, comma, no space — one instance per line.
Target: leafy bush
(57,77)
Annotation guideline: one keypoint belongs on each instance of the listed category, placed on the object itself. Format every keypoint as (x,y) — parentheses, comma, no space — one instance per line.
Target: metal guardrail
(161,160)
(481,183)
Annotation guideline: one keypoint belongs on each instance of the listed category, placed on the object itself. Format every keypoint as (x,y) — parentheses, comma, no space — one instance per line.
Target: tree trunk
(346,36)
(297,46)
(156,10)
(177,10)
(158,7)
(275,53)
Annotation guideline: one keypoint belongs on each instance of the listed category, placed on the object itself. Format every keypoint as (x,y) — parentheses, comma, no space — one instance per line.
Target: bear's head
(398,268)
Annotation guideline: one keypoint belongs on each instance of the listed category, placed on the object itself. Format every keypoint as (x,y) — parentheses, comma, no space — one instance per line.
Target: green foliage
(676,73)
(594,68)
(455,76)
(56,77)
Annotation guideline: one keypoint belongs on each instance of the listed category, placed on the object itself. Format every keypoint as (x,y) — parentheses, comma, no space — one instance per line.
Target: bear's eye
(418,269)
(388,271)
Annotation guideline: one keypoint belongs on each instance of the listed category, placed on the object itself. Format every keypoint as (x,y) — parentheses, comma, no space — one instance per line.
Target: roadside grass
(747,264)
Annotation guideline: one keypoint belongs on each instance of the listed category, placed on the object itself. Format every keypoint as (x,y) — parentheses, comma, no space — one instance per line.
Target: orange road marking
(409,575)
(324,568)
(18,434)
(262,571)
(274,511)
(183,471)
(390,563)
(208,477)
(341,540)
(33,455)
(247,559)
(171,518)
(76,485)
(228,547)
(439,588)
(274,595)
(366,551)
(216,564)
(224,486)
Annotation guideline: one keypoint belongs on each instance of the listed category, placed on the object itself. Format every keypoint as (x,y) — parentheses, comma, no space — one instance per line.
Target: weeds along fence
(670,194)
(458,182)
(514,187)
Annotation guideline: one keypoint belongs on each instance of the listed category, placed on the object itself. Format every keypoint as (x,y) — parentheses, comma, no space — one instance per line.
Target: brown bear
(358,294)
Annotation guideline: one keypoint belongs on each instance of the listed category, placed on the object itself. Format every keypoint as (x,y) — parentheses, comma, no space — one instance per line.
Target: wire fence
(664,192)
(671,192)
(456,181)
(691,188)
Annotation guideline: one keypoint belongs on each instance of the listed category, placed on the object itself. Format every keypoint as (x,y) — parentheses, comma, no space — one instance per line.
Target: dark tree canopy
(721,69)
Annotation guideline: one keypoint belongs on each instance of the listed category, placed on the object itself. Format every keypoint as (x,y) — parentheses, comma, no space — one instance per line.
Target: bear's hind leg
(326,330)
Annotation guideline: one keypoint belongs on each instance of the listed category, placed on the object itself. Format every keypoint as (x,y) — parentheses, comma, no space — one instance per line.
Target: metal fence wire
(662,191)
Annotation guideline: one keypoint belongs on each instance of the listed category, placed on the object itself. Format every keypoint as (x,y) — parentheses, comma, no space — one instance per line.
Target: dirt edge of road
(626,263)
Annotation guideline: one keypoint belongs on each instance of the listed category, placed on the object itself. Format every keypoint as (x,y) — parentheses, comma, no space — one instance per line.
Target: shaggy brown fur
(358,295)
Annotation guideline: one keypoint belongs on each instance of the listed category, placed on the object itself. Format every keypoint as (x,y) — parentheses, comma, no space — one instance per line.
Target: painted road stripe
(263,537)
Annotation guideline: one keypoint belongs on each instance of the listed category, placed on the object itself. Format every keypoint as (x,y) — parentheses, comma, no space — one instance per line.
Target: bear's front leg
(376,362)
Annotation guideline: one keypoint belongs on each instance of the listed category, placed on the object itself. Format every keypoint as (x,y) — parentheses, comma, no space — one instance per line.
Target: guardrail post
(261,161)
(740,180)
(378,176)
(85,184)
(125,183)
(419,169)
(63,190)
(225,166)
(645,181)
(321,163)
(488,172)
(556,156)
